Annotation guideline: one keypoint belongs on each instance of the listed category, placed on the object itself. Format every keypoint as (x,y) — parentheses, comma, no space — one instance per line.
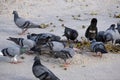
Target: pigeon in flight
(23,24)
(42,72)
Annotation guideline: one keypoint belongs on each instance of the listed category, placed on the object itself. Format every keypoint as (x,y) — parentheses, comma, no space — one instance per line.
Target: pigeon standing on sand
(98,48)
(42,72)
(111,34)
(92,31)
(23,42)
(65,54)
(70,34)
(14,52)
(24,24)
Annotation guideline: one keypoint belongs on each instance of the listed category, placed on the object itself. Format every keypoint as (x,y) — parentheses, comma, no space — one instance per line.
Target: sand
(75,14)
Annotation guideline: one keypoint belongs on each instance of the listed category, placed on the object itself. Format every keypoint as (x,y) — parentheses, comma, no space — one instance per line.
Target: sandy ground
(106,68)
(75,14)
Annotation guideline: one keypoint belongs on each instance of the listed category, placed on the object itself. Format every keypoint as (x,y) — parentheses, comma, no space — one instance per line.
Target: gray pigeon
(70,34)
(43,38)
(14,52)
(23,24)
(118,27)
(42,72)
(98,47)
(100,36)
(23,42)
(54,46)
(92,30)
(65,53)
(111,34)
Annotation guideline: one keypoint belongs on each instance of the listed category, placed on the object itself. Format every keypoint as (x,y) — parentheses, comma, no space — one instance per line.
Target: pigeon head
(15,12)
(37,60)
(30,35)
(94,20)
(15,15)
(112,26)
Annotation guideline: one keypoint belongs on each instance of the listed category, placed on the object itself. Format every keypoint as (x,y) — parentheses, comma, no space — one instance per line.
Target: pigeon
(14,52)
(22,42)
(70,34)
(24,24)
(43,38)
(52,36)
(91,31)
(54,46)
(42,72)
(111,34)
(118,27)
(98,48)
(65,54)
(100,36)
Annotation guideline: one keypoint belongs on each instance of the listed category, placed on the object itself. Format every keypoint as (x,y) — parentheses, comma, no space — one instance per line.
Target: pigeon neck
(15,16)
(93,24)
(23,50)
(37,62)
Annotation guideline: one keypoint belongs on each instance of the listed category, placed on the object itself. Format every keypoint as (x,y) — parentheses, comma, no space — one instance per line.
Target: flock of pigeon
(55,46)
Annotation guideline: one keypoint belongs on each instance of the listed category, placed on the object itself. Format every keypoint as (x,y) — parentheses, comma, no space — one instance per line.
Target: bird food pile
(113,48)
